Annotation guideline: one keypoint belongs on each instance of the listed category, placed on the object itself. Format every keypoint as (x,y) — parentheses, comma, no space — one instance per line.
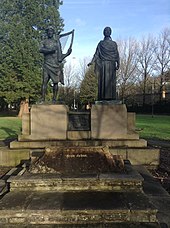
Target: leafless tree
(70,75)
(146,61)
(163,57)
(67,91)
(127,74)
(83,67)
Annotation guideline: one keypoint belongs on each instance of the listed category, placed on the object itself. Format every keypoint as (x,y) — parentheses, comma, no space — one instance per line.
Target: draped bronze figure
(106,60)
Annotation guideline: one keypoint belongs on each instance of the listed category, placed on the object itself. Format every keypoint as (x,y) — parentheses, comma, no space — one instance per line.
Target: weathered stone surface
(130,180)
(76,160)
(13,157)
(87,225)
(49,121)
(78,135)
(31,144)
(131,119)
(71,208)
(112,121)
(26,124)
(139,156)
(108,121)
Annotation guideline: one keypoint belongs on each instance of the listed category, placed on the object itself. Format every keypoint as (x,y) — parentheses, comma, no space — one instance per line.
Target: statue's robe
(52,60)
(105,59)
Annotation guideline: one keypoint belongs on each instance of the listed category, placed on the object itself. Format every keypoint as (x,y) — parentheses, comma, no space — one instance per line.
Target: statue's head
(50,31)
(107,31)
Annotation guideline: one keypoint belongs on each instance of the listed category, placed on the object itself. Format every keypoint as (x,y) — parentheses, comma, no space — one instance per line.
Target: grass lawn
(157,127)
(10,127)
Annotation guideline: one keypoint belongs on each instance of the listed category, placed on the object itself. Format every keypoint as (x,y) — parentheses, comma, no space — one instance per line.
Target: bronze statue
(53,57)
(106,59)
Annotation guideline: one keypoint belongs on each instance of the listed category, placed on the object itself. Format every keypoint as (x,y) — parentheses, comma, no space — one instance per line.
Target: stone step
(131,180)
(31,207)
(136,143)
(99,225)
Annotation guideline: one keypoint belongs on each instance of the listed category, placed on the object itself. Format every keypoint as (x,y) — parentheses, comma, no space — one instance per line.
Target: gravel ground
(162,173)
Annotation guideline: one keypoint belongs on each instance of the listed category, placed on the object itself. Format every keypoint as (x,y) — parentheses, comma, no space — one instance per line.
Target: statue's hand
(69,51)
(117,66)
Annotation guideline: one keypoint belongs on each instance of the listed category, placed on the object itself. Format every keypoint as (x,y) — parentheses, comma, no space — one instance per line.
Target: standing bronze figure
(106,59)
(53,57)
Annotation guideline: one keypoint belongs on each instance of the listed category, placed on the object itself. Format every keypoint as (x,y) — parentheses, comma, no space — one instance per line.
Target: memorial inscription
(79,121)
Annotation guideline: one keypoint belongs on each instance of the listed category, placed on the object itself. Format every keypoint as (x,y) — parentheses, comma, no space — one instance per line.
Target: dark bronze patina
(53,58)
(106,60)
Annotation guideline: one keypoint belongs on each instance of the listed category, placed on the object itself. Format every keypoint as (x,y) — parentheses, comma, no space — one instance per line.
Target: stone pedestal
(55,122)
(83,178)
(48,122)
(111,121)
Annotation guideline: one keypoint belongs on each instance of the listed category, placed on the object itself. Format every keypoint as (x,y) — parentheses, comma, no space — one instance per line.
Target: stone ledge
(91,225)
(33,144)
(77,135)
(118,182)
(13,157)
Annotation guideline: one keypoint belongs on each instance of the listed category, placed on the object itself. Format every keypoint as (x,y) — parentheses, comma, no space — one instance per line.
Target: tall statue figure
(53,57)
(106,59)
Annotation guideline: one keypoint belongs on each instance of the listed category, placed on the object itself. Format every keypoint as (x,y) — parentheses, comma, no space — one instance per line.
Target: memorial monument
(80,177)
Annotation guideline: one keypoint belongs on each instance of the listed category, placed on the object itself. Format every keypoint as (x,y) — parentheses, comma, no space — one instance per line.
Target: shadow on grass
(12,113)
(12,135)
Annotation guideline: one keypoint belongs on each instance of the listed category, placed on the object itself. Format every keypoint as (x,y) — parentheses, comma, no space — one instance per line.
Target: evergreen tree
(88,87)
(22,24)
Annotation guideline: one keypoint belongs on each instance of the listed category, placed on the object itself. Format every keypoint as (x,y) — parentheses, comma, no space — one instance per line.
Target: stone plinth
(109,121)
(55,122)
(48,122)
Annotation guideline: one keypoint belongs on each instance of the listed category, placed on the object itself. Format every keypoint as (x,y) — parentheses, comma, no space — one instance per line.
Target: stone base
(11,158)
(108,122)
(48,122)
(135,151)
(90,225)
(53,122)
(139,156)
(130,180)
(29,207)
(30,144)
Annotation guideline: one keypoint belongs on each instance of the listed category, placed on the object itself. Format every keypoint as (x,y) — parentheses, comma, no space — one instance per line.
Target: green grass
(157,127)
(10,127)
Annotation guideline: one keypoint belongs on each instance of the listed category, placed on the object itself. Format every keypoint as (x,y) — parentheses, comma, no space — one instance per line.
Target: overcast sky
(127,18)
